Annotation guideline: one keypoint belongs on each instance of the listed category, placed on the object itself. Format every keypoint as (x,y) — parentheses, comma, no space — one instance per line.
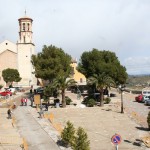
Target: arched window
(24,39)
(23,26)
(28,26)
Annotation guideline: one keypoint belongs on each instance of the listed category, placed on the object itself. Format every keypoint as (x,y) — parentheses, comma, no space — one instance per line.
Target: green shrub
(81,140)
(148,119)
(67,134)
(68,100)
(1,86)
(91,102)
(107,100)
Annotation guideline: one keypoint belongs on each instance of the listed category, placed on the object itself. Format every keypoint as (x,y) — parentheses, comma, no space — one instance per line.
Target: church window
(24,39)
(23,26)
(6,43)
(81,80)
(28,26)
(72,71)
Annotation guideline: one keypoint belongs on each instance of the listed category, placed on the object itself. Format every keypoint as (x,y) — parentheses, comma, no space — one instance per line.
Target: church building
(18,55)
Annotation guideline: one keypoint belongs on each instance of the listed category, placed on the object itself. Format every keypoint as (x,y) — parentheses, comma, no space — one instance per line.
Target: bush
(1,86)
(107,100)
(81,140)
(68,100)
(67,134)
(91,102)
(148,119)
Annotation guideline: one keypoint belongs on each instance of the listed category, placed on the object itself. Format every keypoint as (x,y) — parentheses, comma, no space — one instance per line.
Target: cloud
(121,26)
(137,65)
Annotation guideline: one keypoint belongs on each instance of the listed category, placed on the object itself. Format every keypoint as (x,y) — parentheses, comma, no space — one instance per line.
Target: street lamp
(122,87)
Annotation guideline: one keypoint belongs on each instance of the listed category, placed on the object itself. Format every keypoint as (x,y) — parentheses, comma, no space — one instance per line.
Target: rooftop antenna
(25,12)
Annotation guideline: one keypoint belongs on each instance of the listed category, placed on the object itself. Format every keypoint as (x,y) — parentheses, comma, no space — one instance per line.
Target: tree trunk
(63,99)
(101,98)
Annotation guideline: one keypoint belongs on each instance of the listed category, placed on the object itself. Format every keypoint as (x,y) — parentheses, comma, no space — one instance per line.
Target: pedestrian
(46,107)
(9,113)
(22,101)
(31,91)
(25,101)
(31,99)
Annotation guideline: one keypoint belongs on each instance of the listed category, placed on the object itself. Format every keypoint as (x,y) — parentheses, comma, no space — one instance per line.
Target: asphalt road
(138,111)
(35,136)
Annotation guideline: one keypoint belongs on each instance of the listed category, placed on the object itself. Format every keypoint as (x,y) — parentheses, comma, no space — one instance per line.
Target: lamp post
(122,87)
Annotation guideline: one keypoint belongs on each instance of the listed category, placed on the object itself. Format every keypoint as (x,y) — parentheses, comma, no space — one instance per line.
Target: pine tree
(148,119)
(81,140)
(67,134)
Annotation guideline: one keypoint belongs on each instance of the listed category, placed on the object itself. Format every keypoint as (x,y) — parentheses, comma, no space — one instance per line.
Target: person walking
(9,113)
(46,106)
(22,101)
(25,101)
(31,99)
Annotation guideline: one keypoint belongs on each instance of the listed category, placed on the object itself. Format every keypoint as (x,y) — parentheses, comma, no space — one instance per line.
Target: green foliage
(98,62)
(50,91)
(148,119)
(67,134)
(91,102)
(100,82)
(51,62)
(68,100)
(62,83)
(107,100)
(1,86)
(11,75)
(81,140)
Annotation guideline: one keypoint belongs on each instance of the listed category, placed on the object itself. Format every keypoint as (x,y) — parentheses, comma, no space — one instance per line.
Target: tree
(11,75)
(62,83)
(148,120)
(67,134)
(102,65)
(51,62)
(101,81)
(81,140)
(96,62)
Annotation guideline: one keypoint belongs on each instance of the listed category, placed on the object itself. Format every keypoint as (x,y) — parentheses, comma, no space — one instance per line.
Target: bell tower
(25,31)
(25,49)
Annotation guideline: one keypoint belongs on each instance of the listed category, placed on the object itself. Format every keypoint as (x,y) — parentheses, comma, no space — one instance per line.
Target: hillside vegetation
(138,81)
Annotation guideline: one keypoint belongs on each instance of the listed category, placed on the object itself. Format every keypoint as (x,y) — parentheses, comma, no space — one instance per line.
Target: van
(146,91)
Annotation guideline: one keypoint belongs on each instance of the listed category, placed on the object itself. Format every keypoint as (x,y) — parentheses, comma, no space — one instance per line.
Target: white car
(147,102)
(145,98)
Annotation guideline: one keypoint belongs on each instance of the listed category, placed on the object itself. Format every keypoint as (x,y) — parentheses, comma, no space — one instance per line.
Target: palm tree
(101,81)
(62,83)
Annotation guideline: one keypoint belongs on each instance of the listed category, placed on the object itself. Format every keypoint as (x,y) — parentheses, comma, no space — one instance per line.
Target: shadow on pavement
(143,128)
(137,142)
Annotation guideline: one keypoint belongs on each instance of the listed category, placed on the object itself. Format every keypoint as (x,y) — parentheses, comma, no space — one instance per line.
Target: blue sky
(121,26)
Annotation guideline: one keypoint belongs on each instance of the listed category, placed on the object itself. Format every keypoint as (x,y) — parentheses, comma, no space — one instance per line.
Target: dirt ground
(101,123)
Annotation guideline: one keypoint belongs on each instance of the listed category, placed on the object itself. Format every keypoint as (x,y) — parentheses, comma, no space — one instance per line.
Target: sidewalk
(9,137)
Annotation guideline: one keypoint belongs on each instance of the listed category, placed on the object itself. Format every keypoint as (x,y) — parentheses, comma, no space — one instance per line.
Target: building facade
(18,55)
(77,76)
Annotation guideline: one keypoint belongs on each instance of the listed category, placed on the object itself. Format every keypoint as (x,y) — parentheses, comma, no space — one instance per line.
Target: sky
(76,26)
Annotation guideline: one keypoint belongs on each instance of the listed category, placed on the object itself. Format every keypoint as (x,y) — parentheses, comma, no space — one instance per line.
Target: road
(138,111)
(29,128)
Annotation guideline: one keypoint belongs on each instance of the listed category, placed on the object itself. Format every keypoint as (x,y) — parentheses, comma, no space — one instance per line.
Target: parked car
(147,102)
(40,91)
(5,93)
(10,89)
(139,98)
(145,97)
